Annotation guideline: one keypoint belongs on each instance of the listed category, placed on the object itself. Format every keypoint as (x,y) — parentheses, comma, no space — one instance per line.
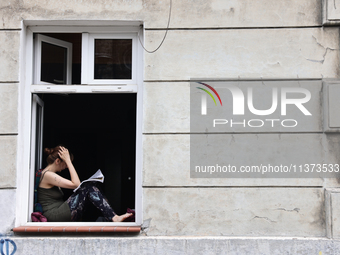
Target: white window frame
(28,89)
(37,116)
(37,57)
(88,58)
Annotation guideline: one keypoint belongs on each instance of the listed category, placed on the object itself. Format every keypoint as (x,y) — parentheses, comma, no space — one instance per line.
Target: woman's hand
(53,179)
(64,154)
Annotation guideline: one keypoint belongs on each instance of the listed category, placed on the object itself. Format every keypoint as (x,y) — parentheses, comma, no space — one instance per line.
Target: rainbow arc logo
(204,98)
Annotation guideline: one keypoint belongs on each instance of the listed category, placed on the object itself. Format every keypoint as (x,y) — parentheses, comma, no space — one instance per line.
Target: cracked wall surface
(235,211)
(176,245)
(167,158)
(233,53)
(185,14)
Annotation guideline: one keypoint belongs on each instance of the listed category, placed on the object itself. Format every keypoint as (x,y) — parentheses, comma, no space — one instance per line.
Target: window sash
(88,60)
(39,40)
(37,121)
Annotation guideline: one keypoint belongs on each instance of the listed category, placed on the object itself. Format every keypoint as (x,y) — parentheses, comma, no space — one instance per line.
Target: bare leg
(120,218)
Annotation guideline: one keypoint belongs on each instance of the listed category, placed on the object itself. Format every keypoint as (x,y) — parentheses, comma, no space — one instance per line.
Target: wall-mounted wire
(166,32)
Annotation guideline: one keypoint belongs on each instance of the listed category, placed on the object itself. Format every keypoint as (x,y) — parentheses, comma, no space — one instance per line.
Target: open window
(84,91)
(36,140)
(100,131)
(37,131)
(83,58)
(53,60)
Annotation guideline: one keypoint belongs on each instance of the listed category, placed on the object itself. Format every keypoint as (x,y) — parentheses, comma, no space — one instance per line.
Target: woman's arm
(52,179)
(65,155)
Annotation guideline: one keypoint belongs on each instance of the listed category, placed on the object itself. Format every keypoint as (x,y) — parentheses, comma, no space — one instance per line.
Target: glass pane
(113,59)
(38,136)
(53,63)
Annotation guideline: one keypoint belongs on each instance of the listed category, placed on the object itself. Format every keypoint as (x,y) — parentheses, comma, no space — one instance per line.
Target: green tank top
(53,205)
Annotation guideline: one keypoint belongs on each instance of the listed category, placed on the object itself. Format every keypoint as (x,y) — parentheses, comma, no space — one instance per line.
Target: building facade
(139,122)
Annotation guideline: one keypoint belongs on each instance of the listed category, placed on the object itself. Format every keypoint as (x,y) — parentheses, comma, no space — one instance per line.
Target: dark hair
(52,154)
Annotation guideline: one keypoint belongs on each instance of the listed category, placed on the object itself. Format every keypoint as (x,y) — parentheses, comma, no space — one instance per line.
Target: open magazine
(98,176)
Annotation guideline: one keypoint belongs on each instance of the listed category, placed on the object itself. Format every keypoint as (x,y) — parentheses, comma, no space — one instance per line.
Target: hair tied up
(48,151)
(53,154)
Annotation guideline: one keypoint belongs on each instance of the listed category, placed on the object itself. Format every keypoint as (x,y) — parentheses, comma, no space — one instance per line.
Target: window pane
(53,63)
(113,59)
(38,136)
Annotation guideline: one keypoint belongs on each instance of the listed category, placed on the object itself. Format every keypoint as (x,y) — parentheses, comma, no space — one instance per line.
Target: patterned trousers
(88,192)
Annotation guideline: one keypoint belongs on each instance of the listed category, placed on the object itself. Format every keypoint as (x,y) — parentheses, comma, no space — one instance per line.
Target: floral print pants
(88,192)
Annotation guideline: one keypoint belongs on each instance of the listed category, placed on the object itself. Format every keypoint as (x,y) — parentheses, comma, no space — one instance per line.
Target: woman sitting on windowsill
(50,195)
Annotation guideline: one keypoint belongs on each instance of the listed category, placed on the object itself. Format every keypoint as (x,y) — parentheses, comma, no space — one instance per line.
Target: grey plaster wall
(166,107)
(180,205)
(8,156)
(8,108)
(308,53)
(174,245)
(7,212)
(185,14)
(9,57)
(9,77)
(167,157)
(235,211)
(172,115)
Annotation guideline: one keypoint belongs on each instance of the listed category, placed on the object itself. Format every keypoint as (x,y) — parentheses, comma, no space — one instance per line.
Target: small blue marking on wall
(5,243)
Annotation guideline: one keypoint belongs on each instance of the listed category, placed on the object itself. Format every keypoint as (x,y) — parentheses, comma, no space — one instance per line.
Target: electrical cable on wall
(166,32)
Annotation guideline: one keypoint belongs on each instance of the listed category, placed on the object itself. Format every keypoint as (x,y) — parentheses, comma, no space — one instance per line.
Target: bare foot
(120,218)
